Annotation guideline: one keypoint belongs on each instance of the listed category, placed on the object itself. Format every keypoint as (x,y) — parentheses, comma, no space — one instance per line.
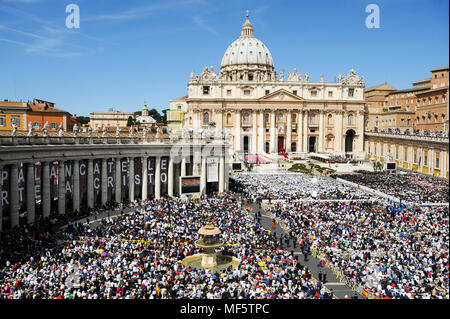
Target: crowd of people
(292,186)
(139,255)
(392,252)
(410,187)
(411,132)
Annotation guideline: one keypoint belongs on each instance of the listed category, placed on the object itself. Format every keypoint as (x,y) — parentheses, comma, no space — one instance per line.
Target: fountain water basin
(210,259)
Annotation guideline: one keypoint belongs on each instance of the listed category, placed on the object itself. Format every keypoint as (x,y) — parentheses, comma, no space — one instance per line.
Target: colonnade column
(1,199)
(104,181)
(221,173)
(61,189)
(76,185)
(203,177)
(118,188)
(289,131)
(183,166)
(144,178)
(158,177)
(46,200)
(14,190)
(131,180)
(305,132)
(90,183)
(170,177)
(30,194)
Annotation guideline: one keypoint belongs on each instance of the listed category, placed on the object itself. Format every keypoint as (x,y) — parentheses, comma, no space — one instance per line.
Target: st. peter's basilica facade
(266,112)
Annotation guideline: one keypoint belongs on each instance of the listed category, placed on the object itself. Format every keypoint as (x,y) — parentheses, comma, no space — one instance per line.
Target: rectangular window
(53,125)
(267,92)
(228,92)
(2,121)
(295,92)
(405,154)
(36,125)
(205,90)
(246,92)
(313,93)
(330,93)
(437,162)
(15,120)
(351,92)
(425,160)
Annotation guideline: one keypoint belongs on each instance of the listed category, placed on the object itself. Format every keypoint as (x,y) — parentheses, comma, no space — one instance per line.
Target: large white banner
(212,169)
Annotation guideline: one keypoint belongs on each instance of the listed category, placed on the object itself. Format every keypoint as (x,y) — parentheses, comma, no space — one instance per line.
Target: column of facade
(14,196)
(431,161)
(144,177)
(131,179)
(237,137)
(262,133)
(300,131)
(360,128)
(118,185)
(410,157)
(46,200)
(61,189)
(170,177)
(254,133)
(305,132)
(90,183)
(442,163)
(219,119)
(30,194)
(158,177)
(289,132)
(338,138)
(272,132)
(321,130)
(104,179)
(76,185)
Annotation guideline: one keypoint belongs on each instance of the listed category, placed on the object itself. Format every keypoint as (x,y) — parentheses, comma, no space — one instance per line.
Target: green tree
(131,121)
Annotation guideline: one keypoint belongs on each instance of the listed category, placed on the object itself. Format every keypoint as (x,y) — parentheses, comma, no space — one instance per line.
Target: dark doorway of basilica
(312,144)
(246,144)
(349,138)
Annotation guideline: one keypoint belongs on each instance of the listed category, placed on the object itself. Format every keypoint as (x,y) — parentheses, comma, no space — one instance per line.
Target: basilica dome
(247,51)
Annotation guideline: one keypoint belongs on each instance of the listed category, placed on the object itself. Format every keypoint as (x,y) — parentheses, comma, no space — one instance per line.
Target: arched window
(350,119)
(205,118)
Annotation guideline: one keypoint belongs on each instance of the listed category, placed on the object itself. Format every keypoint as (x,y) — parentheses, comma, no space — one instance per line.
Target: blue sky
(128,52)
